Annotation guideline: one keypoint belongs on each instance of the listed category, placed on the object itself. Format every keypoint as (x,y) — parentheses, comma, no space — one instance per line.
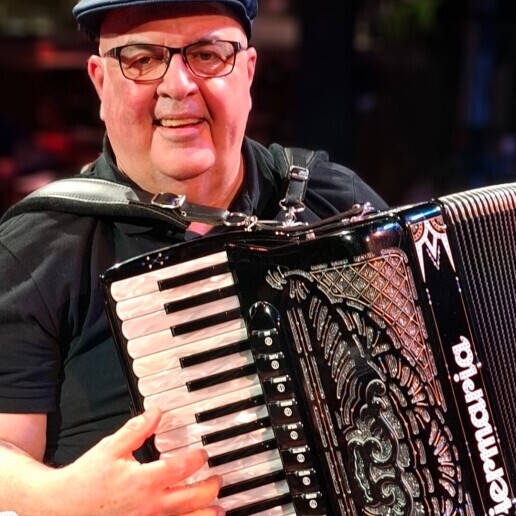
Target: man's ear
(96,74)
(251,63)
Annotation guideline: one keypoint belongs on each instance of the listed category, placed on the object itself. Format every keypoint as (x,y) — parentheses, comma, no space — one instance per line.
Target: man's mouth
(168,122)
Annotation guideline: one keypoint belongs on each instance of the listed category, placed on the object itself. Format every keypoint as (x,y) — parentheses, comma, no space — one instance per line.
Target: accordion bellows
(363,366)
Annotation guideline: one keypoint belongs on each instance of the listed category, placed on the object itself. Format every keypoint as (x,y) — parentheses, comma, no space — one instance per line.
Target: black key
(271,364)
(311,504)
(215,379)
(190,277)
(265,341)
(297,458)
(233,431)
(212,354)
(279,387)
(230,408)
(205,322)
(247,451)
(292,434)
(253,508)
(302,480)
(199,299)
(284,411)
(252,483)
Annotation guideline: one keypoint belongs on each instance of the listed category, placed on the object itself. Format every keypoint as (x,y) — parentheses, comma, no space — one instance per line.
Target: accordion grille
(483,223)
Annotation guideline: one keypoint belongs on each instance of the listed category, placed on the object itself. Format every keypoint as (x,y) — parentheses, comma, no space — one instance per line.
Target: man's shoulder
(43,229)
(40,221)
(94,192)
(276,159)
(279,157)
(330,183)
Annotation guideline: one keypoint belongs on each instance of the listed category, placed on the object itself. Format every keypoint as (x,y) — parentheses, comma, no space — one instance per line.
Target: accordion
(365,365)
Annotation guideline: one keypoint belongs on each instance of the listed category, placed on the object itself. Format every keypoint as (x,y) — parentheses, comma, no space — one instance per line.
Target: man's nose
(178,79)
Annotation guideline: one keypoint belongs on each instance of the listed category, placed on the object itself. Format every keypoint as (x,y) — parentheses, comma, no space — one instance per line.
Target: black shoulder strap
(92,196)
(294,165)
(99,197)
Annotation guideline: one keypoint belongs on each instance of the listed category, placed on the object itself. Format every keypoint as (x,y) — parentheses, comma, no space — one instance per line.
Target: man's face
(180,133)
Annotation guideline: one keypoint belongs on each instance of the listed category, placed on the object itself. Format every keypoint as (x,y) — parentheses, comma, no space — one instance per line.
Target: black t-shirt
(57,355)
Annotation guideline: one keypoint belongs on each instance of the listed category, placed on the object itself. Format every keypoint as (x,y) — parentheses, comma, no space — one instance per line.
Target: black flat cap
(90,13)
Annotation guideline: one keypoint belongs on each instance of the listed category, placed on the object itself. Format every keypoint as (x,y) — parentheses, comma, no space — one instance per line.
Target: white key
(254,495)
(228,445)
(283,510)
(183,416)
(141,305)
(237,465)
(180,397)
(193,433)
(148,282)
(174,378)
(254,471)
(169,358)
(158,321)
(164,340)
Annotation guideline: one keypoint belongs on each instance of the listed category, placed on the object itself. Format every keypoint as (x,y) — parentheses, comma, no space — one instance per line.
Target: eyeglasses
(144,62)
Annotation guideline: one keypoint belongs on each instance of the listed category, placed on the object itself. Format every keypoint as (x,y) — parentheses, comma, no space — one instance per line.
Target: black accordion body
(363,366)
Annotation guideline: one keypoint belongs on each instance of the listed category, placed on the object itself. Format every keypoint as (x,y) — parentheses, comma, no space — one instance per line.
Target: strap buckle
(168,200)
(206,214)
(292,203)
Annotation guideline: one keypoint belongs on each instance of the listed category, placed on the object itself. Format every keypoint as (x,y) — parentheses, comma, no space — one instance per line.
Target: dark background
(417,96)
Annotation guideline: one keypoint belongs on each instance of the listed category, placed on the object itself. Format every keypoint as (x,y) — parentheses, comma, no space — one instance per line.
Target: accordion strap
(94,196)
(297,180)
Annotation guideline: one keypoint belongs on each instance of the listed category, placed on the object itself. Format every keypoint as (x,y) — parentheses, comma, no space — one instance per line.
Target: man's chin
(181,176)
(189,160)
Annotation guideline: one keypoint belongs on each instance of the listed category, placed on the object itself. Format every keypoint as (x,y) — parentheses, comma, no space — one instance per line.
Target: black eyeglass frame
(117,51)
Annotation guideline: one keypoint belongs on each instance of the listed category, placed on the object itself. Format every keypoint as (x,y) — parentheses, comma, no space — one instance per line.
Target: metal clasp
(168,200)
(299,173)
(238,219)
(291,212)
(362,210)
(292,203)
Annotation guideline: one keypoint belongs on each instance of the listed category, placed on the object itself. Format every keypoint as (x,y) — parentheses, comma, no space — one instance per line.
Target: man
(174,80)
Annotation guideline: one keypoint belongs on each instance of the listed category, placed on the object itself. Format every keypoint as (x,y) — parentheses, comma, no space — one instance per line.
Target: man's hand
(108,480)
(111,481)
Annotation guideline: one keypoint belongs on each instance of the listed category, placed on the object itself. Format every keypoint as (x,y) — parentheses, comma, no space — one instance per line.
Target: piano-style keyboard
(221,383)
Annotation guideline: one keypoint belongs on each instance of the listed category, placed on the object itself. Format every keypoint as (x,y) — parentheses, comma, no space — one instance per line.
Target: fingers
(170,473)
(122,485)
(213,510)
(174,470)
(194,497)
(134,433)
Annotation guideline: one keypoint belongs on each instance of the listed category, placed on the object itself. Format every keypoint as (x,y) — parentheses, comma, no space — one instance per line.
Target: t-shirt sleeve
(29,350)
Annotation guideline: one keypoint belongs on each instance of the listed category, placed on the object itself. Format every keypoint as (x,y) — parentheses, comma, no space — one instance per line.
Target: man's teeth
(178,123)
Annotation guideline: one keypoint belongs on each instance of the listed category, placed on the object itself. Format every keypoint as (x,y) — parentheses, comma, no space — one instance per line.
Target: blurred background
(417,96)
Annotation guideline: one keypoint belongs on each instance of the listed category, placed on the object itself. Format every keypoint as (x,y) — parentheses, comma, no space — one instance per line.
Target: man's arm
(105,480)
(25,431)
